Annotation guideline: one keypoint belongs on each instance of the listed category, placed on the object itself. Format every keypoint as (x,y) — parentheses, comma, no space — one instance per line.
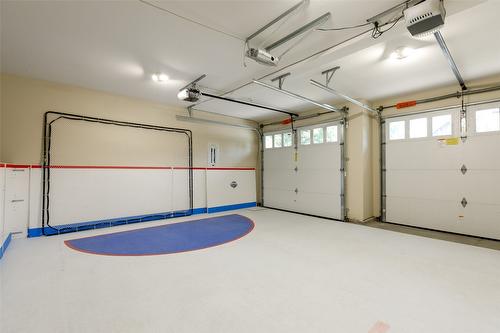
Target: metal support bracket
(281,79)
(193,83)
(329,74)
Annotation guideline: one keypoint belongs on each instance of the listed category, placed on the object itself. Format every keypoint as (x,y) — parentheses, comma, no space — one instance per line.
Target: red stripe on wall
(187,168)
(15,166)
(198,168)
(121,167)
(230,168)
(107,167)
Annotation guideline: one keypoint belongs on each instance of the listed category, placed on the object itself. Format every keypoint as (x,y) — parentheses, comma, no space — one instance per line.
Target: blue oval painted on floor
(169,238)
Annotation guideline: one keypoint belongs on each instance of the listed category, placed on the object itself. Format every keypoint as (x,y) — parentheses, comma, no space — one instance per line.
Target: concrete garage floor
(462,239)
(292,273)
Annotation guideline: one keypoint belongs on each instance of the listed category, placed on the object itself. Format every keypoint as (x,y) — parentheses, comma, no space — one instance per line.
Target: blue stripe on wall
(37,232)
(5,245)
(231,207)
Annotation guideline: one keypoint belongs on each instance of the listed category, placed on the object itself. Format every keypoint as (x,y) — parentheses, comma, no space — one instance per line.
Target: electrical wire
(190,20)
(376,32)
(345,28)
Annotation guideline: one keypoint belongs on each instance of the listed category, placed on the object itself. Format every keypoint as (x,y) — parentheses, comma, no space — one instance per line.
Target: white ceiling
(115,46)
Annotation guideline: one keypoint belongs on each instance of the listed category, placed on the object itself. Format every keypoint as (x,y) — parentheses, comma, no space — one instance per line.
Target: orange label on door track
(406,104)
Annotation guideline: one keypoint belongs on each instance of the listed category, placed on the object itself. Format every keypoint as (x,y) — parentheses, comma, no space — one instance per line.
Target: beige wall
(1,116)
(25,100)
(359,167)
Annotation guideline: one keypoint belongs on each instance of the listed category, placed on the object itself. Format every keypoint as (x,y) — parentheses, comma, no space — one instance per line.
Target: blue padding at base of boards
(5,245)
(231,207)
(73,227)
(169,238)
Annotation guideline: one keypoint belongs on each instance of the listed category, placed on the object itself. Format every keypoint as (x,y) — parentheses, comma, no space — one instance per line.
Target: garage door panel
(426,154)
(307,182)
(481,220)
(320,204)
(318,155)
(279,158)
(482,152)
(433,214)
(433,184)
(280,199)
(324,191)
(425,187)
(282,179)
(318,180)
(480,186)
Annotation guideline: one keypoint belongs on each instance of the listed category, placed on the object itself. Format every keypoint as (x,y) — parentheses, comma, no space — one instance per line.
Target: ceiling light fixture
(402,52)
(160,77)
(189,94)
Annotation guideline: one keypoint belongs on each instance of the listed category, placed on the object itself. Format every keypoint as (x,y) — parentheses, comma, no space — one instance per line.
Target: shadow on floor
(462,239)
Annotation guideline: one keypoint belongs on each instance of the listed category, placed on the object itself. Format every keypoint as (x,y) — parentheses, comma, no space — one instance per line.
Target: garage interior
(250,166)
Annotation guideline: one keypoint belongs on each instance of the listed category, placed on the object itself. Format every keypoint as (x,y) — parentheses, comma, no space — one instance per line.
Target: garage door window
(269,141)
(418,128)
(287,139)
(487,120)
(441,125)
(397,130)
(305,137)
(331,134)
(318,136)
(278,139)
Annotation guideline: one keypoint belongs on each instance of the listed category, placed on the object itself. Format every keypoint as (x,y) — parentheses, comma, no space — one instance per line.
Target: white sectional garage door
(310,181)
(436,180)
